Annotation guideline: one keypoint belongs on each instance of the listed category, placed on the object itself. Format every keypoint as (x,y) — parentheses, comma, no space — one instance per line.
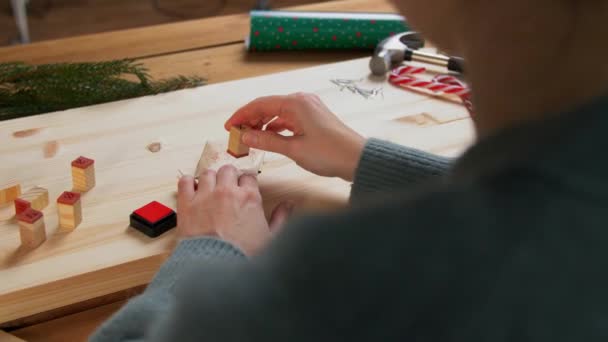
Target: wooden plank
(103,255)
(68,18)
(80,286)
(228,63)
(162,39)
(6,337)
(75,308)
(74,328)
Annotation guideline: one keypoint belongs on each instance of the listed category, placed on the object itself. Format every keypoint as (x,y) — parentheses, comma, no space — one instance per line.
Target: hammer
(402,47)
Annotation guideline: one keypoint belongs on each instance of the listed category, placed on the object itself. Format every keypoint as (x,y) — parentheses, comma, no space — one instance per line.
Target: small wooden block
(82,162)
(83,174)
(69,209)
(9,191)
(235,147)
(36,198)
(21,205)
(31,228)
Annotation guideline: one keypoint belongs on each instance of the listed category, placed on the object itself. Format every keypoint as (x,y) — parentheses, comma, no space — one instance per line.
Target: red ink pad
(153,219)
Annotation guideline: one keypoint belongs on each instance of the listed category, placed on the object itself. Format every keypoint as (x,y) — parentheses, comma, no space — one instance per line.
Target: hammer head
(392,51)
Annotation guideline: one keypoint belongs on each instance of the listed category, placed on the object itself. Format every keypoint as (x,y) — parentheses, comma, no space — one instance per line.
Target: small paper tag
(214,156)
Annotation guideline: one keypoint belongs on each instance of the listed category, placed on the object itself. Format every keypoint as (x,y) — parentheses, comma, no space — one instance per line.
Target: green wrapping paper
(287,30)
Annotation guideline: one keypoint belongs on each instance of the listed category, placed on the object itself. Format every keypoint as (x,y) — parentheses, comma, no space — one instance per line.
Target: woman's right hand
(321,143)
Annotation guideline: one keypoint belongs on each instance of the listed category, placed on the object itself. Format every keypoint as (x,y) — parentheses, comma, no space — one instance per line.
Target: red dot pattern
(271,32)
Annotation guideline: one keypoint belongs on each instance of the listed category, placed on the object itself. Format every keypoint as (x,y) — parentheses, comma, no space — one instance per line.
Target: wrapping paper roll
(288,30)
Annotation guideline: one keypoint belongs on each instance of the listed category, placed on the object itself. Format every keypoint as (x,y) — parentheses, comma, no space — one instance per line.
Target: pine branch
(29,89)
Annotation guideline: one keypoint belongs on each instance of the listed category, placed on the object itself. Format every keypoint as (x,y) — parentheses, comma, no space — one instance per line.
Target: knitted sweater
(508,244)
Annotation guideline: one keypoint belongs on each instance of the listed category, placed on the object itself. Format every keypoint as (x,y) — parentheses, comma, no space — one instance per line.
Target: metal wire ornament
(352,86)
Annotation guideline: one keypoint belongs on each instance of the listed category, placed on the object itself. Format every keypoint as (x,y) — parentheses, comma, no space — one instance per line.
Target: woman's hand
(321,143)
(226,206)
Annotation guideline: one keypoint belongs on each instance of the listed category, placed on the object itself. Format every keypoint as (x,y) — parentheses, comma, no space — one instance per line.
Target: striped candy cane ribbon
(404,77)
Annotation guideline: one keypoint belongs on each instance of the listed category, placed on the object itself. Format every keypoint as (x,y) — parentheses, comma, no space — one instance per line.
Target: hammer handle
(455,64)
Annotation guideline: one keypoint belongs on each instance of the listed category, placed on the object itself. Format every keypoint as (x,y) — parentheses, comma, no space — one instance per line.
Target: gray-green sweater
(510,244)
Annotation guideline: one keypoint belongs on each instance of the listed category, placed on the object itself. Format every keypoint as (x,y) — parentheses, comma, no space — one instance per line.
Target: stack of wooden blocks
(69,208)
(83,174)
(153,219)
(31,228)
(36,198)
(29,206)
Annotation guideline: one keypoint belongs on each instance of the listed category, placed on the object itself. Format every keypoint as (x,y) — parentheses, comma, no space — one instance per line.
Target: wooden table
(212,48)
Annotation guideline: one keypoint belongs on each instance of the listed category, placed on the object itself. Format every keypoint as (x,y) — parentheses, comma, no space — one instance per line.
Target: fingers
(206,181)
(227,176)
(248,182)
(280,125)
(256,112)
(185,189)
(279,216)
(268,141)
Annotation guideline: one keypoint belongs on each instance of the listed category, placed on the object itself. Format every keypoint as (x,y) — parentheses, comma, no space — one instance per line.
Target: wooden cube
(9,191)
(235,147)
(69,210)
(31,228)
(83,174)
(36,198)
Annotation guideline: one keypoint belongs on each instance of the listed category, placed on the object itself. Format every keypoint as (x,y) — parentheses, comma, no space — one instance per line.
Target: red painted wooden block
(29,215)
(82,162)
(68,197)
(21,205)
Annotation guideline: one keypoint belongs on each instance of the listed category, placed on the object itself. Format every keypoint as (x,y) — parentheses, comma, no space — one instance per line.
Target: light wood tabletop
(212,48)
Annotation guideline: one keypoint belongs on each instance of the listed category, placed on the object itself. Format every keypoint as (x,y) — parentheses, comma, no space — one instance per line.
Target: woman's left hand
(227,206)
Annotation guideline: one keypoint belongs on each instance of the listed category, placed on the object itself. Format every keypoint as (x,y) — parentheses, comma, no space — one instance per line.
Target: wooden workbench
(201,47)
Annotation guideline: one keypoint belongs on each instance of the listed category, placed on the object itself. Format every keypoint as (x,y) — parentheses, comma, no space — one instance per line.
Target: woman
(506,243)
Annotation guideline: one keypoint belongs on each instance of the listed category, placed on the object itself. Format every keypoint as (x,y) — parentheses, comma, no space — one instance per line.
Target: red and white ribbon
(404,77)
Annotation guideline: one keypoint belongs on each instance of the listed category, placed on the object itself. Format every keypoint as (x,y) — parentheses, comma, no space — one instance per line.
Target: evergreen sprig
(33,89)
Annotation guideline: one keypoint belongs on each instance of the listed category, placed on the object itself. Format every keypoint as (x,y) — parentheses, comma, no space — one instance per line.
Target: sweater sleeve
(332,278)
(135,319)
(385,167)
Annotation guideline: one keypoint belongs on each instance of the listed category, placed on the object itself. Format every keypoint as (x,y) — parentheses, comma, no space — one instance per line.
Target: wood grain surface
(163,39)
(223,61)
(103,255)
(192,47)
(6,337)
(71,328)
(67,18)
(228,63)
